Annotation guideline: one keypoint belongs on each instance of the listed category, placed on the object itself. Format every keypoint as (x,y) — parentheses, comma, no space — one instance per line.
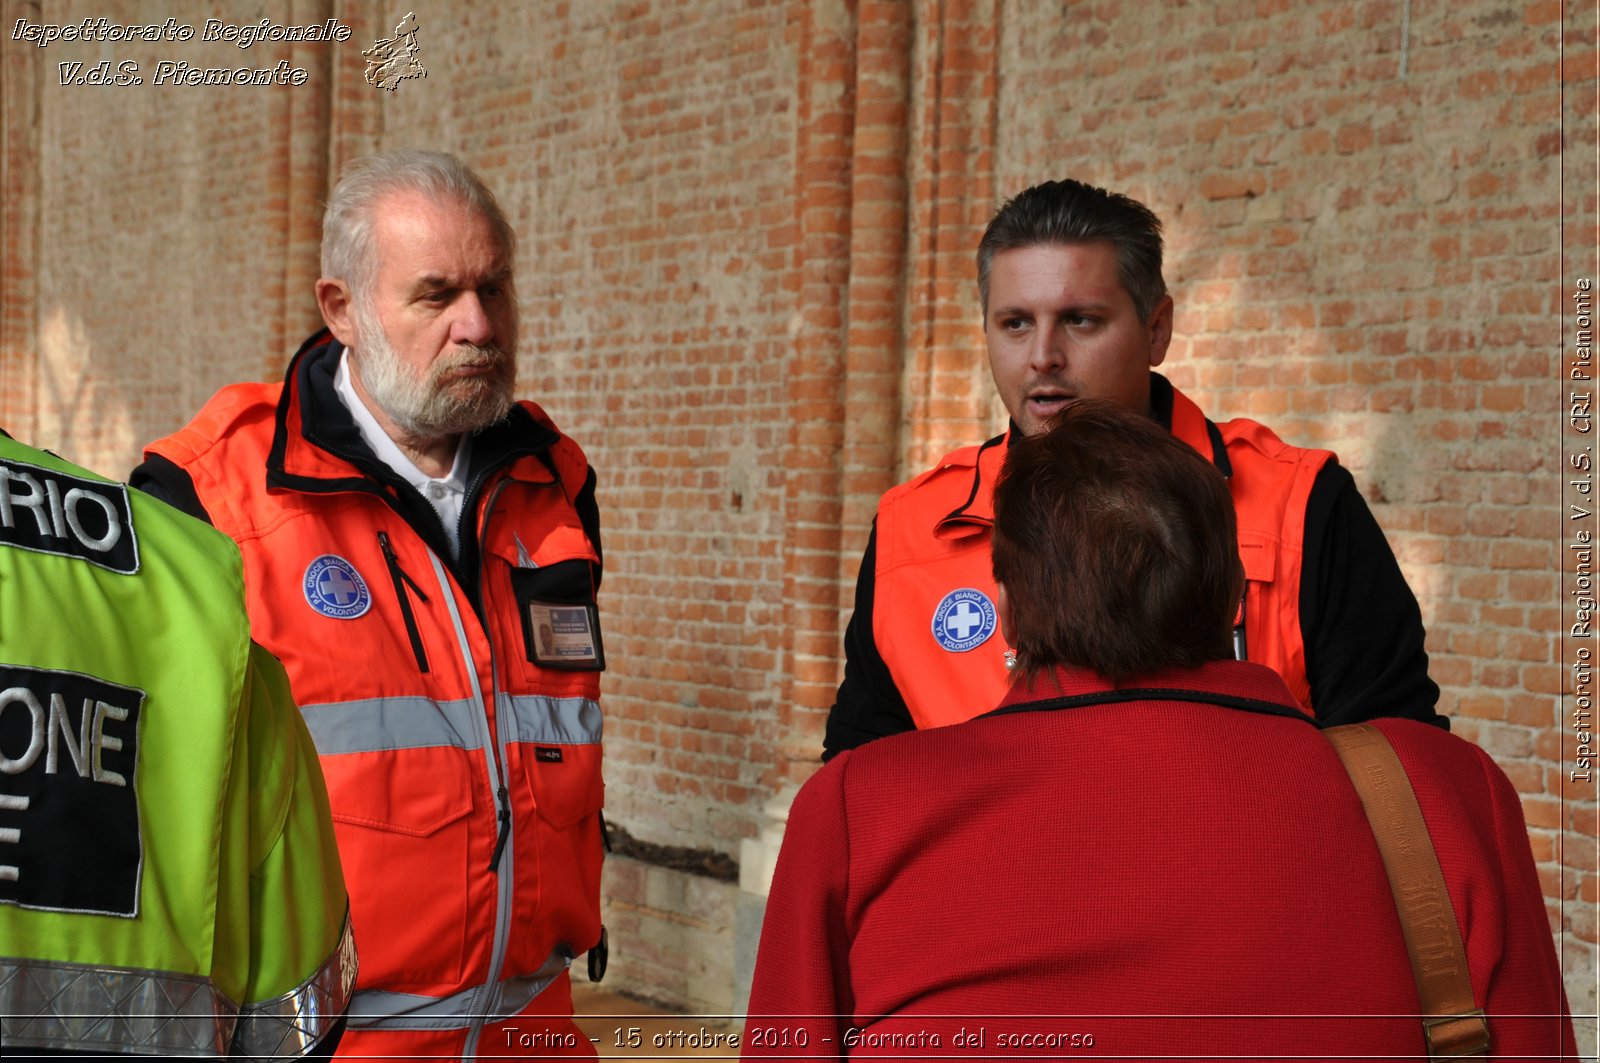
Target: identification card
(564,635)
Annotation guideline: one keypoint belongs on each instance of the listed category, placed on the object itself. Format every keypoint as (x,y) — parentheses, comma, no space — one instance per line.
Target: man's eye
(493,291)
(1014,324)
(437,298)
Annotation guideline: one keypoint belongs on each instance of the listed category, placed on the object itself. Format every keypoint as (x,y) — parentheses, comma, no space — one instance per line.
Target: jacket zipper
(503,904)
(401,581)
(488,991)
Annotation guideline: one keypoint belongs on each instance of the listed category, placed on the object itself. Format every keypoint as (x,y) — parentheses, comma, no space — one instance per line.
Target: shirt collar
(385,449)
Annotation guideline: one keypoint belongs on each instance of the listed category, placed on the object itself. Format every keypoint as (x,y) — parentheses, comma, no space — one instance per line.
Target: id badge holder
(560,623)
(563,635)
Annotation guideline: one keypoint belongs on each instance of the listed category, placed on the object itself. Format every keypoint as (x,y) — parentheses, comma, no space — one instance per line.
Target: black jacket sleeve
(160,478)
(589,515)
(1362,626)
(868,704)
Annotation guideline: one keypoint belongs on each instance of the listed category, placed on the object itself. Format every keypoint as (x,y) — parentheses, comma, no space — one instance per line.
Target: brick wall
(746,286)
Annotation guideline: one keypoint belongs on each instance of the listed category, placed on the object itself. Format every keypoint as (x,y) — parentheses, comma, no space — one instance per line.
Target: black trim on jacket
(1126,694)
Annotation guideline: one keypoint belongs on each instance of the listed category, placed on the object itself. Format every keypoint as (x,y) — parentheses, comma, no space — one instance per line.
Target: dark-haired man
(1075,306)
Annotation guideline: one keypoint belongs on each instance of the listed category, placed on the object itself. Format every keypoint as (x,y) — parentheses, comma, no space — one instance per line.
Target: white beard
(419,404)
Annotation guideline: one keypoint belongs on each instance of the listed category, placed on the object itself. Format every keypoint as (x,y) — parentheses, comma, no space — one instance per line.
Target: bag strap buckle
(1457,1036)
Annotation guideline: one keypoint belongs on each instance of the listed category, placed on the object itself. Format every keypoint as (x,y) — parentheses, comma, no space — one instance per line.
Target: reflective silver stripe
(111,1009)
(374,1009)
(559,721)
(367,725)
(296,1022)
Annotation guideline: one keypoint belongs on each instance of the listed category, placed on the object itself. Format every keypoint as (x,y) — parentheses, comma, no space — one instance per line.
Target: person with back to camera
(1075,307)
(169,878)
(1150,829)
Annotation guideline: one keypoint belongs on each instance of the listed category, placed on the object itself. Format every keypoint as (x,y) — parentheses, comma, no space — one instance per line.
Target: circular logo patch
(964,620)
(334,588)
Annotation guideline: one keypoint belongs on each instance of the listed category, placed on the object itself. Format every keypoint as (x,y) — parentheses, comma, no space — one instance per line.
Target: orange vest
(432,727)
(934,619)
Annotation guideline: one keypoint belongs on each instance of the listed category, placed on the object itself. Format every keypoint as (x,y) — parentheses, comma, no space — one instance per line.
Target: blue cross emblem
(335,589)
(963,620)
(338,587)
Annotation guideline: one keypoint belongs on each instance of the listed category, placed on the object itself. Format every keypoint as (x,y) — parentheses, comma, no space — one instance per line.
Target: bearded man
(408,530)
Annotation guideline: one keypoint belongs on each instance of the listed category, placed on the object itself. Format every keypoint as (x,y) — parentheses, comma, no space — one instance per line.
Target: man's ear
(1160,327)
(338,309)
(1002,609)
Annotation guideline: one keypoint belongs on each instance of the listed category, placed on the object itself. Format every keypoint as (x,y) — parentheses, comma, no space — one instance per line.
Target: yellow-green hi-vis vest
(169,882)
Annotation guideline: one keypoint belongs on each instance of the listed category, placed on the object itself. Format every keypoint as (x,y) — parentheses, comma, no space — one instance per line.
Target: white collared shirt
(447,495)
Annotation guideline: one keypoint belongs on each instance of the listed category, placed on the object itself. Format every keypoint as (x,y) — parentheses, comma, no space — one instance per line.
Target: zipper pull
(389,556)
(401,581)
(504,833)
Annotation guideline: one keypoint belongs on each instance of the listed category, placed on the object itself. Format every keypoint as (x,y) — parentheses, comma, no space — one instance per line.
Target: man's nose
(1047,351)
(472,323)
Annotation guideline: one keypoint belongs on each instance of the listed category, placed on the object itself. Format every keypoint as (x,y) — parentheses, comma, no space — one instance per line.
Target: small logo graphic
(964,620)
(334,588)
(393,59)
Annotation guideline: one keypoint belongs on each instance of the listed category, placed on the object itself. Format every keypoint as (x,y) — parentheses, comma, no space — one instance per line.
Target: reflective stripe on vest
(73,1007)
(386,724)
(377,1009)
(296,1022)
(81,1008)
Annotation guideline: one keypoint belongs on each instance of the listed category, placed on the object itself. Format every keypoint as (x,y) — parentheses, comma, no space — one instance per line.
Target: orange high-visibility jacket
(934,619)
(464,778)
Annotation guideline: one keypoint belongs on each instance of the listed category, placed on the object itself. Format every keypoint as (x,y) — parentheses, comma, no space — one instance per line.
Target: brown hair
(1117,547)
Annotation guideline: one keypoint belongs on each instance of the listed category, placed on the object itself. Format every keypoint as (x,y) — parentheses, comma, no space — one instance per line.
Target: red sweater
(1164,875)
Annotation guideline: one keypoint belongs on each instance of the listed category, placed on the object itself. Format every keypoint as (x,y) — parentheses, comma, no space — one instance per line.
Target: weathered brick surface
(746,285)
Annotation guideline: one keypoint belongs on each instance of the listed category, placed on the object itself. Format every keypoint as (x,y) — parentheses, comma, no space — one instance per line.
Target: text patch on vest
(53,512)
(69,811)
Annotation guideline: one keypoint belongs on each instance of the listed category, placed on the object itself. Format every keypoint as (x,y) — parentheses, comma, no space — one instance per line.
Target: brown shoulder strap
(1452,1023)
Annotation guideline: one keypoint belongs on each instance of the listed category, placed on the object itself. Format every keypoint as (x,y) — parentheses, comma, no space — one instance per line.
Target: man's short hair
(347,251)
(1071,212)
(1117,547)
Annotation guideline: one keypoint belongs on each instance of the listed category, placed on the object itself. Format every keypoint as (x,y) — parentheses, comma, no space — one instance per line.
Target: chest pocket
(550,573)
(559,617)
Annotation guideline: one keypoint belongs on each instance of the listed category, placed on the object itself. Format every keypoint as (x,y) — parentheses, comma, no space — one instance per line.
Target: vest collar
(1180,416)
(1173,409)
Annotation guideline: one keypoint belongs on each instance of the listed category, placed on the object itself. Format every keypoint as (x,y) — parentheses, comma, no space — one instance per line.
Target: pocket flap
(416,792)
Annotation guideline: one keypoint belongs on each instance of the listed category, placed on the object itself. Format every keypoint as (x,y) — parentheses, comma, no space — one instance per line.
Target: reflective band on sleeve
(111,1009)
(559,721)
(374,1009)
(383,724)
(295,1023)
